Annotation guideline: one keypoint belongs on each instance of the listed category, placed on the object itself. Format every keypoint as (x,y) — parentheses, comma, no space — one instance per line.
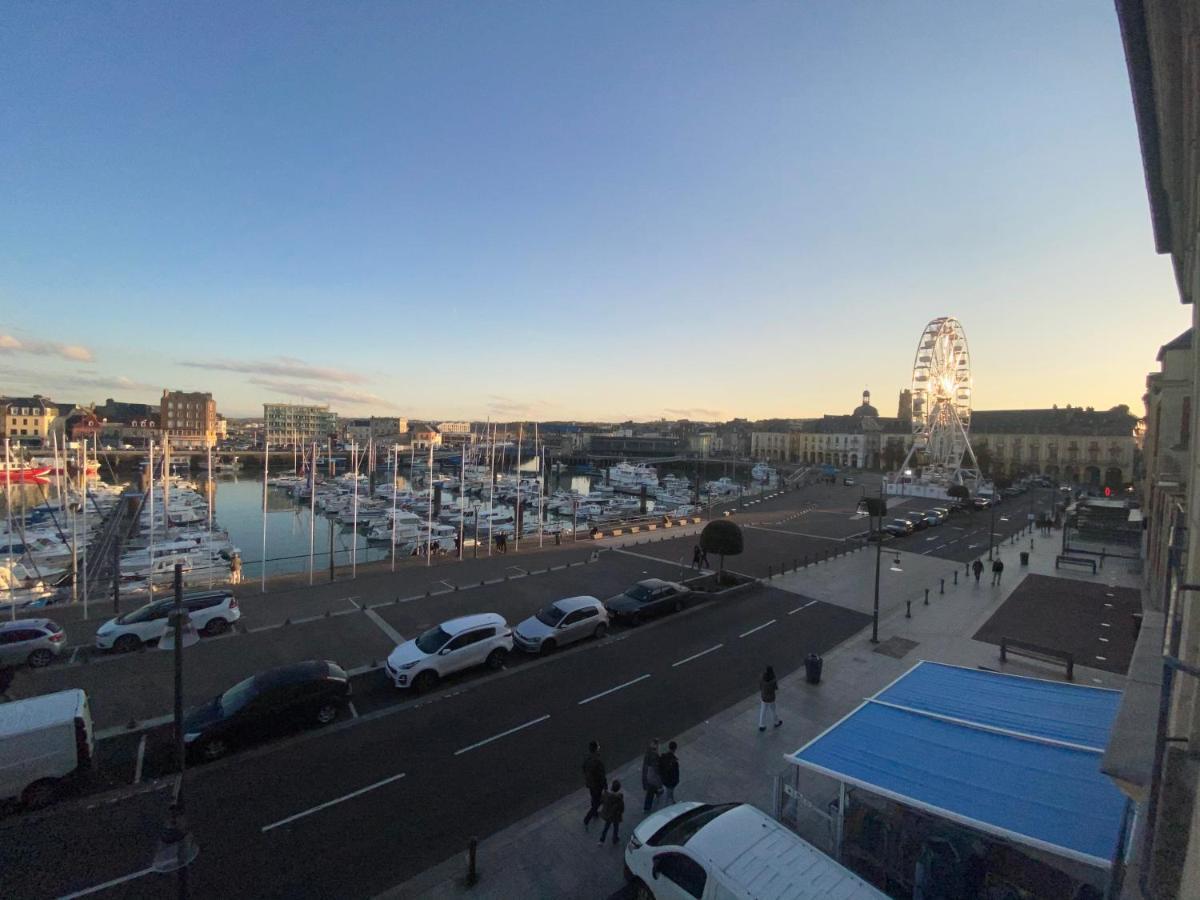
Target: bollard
(472,875)
(956,576)
(926,596)
(943,590)
(908,609)
(1031,544)
(769,575)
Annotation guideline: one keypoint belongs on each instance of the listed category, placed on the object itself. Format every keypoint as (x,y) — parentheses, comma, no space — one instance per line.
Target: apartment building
(292,424)
(188,419)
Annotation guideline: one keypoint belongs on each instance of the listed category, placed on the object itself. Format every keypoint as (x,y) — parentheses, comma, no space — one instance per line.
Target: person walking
(997,571)
(595,779)
(703,558)
(668,768)
(977,568)
(767,686)
(696,557)
(651,776)
(612,810)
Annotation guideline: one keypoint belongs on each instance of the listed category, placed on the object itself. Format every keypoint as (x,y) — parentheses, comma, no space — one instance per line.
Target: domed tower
(866,409)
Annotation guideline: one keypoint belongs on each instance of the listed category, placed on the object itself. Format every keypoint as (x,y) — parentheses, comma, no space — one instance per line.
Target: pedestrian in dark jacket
(703,558)
(977,568)
(612,810)
(594,779)
(997,571)
(651,776)
(767,686)
(668,769)
(696,557)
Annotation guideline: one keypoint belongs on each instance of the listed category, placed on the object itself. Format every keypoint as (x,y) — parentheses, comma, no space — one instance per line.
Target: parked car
(933,517)
(849,482)
(652,597)
(462,643)
(560,623)
(266,705)
(898,527)
(702,851)
(211,612)
(45,743)
(981,502)
(916,519)
(32,642)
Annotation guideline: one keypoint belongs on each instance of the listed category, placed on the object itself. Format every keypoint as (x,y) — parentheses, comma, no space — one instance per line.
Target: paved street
(401,783)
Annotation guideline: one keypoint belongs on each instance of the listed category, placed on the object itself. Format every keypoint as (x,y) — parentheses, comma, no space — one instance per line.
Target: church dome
(866,409)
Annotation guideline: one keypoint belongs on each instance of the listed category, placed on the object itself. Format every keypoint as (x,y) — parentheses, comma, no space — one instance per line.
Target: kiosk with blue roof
(1003,770)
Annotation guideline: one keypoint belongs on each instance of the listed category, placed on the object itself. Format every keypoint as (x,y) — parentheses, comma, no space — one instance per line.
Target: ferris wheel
(941,405)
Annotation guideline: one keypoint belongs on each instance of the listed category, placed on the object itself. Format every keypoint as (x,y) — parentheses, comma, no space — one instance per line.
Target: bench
(1034,651)
(1075,561)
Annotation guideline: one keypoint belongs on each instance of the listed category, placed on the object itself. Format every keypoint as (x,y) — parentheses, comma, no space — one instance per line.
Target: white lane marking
(74,653)
(353,709)
(334,802)
(106,885)
(792,612)
(1104,640)
(141,755)
(496,737)
(384,626)
(757,628)
(1102,658)
(611,690)
(1109,605)
(1105,625)
(688,659)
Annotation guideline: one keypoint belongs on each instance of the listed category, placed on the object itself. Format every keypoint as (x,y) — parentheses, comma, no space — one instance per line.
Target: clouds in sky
(695,412)
(10,344)
(282,367)
(323,393)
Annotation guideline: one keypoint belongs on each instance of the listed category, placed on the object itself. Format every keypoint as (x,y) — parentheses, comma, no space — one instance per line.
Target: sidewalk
(726,758)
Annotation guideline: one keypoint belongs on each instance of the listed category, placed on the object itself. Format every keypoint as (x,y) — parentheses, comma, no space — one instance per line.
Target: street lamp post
(177,848)
(992,526)
(878,508)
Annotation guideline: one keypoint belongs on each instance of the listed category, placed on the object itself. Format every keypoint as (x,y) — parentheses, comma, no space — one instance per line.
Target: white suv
(211,612)
(458,644)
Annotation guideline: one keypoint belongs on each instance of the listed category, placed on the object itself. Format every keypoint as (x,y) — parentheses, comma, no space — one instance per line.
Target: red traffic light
(1108,492)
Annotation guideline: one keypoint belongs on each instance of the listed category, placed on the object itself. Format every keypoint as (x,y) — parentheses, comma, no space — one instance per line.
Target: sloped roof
(1067,420)
(1183,342)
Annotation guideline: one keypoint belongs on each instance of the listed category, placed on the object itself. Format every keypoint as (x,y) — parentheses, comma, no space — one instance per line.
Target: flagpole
(266,466)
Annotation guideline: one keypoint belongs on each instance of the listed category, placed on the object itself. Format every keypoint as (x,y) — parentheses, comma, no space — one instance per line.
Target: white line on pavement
(74,653)
(688,659)
(611,690)
(353,709)
(334,802)
(141,755)
(101,887)
(792,612)
(496,737)
(757,628)
(384,626)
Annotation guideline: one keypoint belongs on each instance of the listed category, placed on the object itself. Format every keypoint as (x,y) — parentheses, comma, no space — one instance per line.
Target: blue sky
(571,210)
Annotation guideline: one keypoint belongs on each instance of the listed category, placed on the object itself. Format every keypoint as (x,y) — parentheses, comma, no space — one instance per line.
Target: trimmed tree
(724,538)
(959,492)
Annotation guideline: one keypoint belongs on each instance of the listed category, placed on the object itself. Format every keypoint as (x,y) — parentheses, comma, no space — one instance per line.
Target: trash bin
(812,668)
(1024,557)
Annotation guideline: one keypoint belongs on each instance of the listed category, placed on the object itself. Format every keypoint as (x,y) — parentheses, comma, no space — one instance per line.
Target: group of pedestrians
(660,776)
(997,570)
(699,557)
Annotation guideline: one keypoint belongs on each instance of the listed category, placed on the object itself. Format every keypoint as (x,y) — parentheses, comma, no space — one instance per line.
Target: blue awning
(1015,757)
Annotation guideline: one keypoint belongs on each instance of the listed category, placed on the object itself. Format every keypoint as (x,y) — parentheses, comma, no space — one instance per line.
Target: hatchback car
(916,519)
(35,642)
(211,612)
(898,527)
(933,517)
(482,639)
(560,623)
(266,705)
(652,597)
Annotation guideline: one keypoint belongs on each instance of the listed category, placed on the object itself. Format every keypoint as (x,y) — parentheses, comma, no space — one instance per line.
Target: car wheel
(426,681)
(214,749)
(496,658)
(679,605)
(40,657)
(547,648)
(641,892)
(127,643)
(600,631)
(216,626)
(39,794)
(636,619)
(326,714)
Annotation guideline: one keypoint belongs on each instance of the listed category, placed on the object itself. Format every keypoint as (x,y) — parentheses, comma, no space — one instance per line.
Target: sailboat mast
(312,511)
(8,473)
(266,467)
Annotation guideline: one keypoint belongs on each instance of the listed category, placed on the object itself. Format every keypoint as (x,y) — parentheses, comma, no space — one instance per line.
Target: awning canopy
(1015,757)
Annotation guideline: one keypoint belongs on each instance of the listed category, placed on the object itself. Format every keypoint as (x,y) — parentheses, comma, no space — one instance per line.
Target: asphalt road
(288,819)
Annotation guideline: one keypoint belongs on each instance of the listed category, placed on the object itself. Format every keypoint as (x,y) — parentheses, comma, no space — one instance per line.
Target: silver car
(33,641)
(560,623)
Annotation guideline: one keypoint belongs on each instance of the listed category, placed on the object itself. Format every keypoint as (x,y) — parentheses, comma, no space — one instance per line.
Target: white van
(45,742)
(731,851)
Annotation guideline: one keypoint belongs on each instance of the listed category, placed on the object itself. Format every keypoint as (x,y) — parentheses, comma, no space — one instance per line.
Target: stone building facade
(189,419)
(27,420)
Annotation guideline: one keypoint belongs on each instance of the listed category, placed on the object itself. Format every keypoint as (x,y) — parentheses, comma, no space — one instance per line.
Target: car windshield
(432,640)
(550,615)
(237,696)
(679,831)
(141,614)
(640,593)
